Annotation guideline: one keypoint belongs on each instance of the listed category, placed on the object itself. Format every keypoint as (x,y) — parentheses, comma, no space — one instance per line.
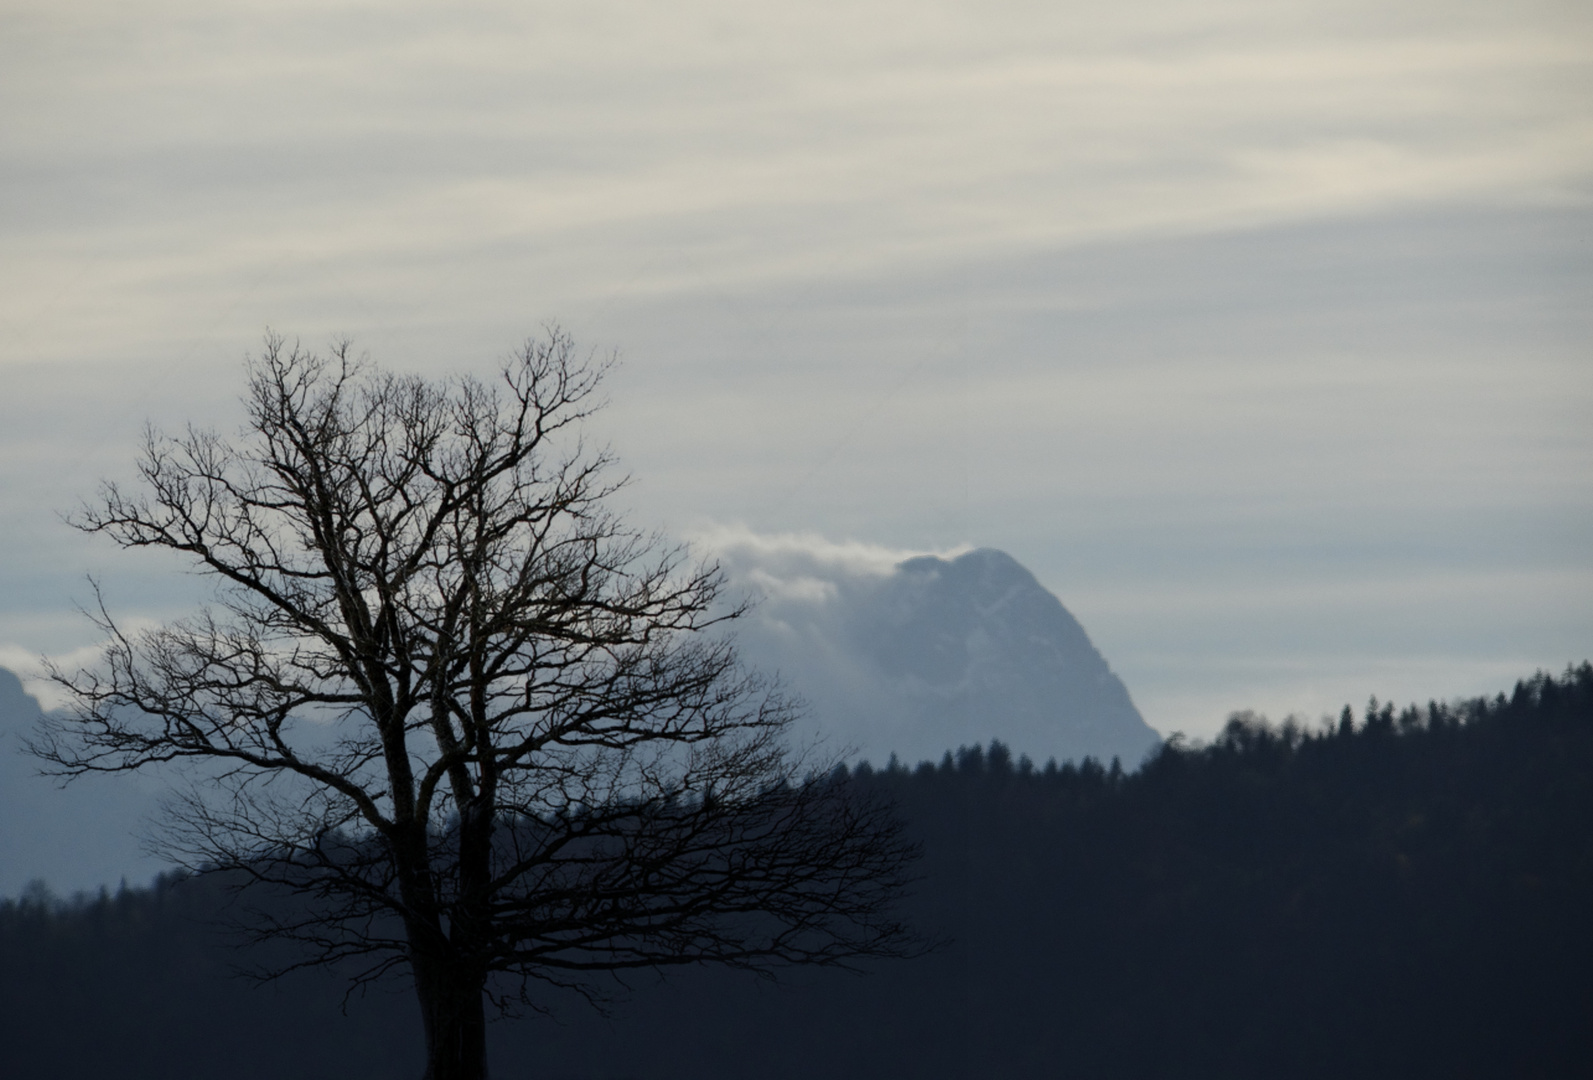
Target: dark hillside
(1406,894)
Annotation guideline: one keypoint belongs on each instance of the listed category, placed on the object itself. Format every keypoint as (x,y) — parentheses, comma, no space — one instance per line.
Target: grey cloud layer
(1245,325)
(343,163)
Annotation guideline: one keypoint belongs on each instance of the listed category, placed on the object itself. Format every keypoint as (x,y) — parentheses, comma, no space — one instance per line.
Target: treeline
(1402,893)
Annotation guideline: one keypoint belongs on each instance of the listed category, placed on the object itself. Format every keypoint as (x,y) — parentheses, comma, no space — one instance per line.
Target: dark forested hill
(1403,894)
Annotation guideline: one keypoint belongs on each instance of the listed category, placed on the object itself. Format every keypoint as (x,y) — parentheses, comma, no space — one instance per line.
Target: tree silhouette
(486,731)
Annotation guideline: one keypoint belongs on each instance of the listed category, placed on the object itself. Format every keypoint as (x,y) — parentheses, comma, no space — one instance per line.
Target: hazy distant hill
(932,653)
(80,837)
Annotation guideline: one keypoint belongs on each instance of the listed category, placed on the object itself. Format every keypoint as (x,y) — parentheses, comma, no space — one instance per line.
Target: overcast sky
(1258,331)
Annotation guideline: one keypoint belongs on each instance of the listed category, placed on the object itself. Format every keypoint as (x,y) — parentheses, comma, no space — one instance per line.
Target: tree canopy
(490,732)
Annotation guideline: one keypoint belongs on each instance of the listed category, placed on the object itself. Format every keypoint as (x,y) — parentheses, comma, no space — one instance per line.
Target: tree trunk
(455,1021)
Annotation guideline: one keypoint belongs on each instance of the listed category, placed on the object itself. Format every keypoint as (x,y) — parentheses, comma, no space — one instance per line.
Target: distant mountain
(914,658)
(931,653)
(74,838)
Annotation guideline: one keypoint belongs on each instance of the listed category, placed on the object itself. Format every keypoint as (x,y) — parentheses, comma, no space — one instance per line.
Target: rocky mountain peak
(938,652)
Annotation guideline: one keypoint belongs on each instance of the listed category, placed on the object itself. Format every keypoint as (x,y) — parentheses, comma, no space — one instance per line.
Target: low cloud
(28,665)
(797,563)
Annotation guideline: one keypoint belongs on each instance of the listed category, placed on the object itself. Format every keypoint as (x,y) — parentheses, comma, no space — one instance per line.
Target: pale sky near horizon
(1259,331)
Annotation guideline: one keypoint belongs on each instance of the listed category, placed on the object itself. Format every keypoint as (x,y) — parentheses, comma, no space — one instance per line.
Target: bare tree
(483,729)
